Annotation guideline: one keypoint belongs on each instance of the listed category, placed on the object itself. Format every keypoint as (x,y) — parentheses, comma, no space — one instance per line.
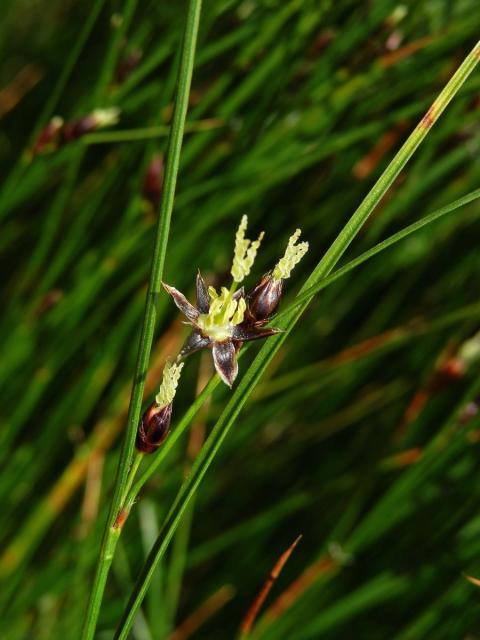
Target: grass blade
(266,354)
(381,246)
(111,534)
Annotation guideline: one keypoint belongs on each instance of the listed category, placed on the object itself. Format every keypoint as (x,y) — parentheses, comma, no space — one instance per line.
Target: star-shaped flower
(219,322)
(224,321)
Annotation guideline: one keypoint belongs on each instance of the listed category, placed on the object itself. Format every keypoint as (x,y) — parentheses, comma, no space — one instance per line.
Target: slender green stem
(270,347)
(146,338)
(378,248)
(112,53)
(51,103)
(155,461)
(131,476)
(147,133)
(43,248)
(173,438)
(323,284)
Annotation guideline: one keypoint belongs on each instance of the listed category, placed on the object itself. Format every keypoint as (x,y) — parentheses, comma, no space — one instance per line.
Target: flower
(154,426)
(219,322)
(224,320)
(58,132)
(49,137)
(97,119)
(265,298)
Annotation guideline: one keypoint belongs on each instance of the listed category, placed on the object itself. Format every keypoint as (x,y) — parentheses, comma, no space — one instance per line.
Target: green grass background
(309,104)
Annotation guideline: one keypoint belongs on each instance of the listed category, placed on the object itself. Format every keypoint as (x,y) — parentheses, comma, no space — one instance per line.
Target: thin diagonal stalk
(157,460)
(41,518)
(52,101)
(69,66)
(147,133)
(34,528)
(43,248)
(112,53)
(270,348)
(111,533)
(381,246)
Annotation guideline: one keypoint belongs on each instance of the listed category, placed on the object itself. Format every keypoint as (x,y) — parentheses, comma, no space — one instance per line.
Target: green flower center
(224,314)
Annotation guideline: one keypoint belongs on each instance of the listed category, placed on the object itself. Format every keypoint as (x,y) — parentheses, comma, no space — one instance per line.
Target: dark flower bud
(155,423)
(77,128)
(469,412)
(57,132)
(97,119)
(451,370)
(265,298)
(127,65)
(49,136)
(153,428)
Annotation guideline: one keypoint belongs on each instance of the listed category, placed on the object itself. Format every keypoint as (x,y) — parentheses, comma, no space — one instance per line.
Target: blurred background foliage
(363,437)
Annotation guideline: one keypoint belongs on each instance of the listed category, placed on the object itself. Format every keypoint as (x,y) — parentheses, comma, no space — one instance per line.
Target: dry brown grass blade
(25,80)
(251,615)
(203,613)
(402,459)
(394,57)
(471,579)
(324,565)
(447,370)
(91,498)
(369,163)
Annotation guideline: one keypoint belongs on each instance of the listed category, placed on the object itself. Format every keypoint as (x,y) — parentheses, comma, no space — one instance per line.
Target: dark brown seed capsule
(153,428)
(451,370)
(127,65)
(77,128)
(265,298)
(469,412)
(49,136)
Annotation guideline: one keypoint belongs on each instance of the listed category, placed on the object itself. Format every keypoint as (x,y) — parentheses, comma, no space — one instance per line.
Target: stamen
(225,312)
(293,254)
(240,312)
(106,117)
(171,376)
(244,253)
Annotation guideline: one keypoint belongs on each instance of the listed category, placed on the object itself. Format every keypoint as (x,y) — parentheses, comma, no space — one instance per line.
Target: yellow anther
(240,312)
(171,376)
(225,312)
(244,253)
(106,117)
(293,254)
(469,352)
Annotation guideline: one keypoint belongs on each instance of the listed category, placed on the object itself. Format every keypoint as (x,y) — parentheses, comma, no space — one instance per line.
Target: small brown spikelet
(48,138)
(451,370)
(77,128)
(153,428)
(265,298)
